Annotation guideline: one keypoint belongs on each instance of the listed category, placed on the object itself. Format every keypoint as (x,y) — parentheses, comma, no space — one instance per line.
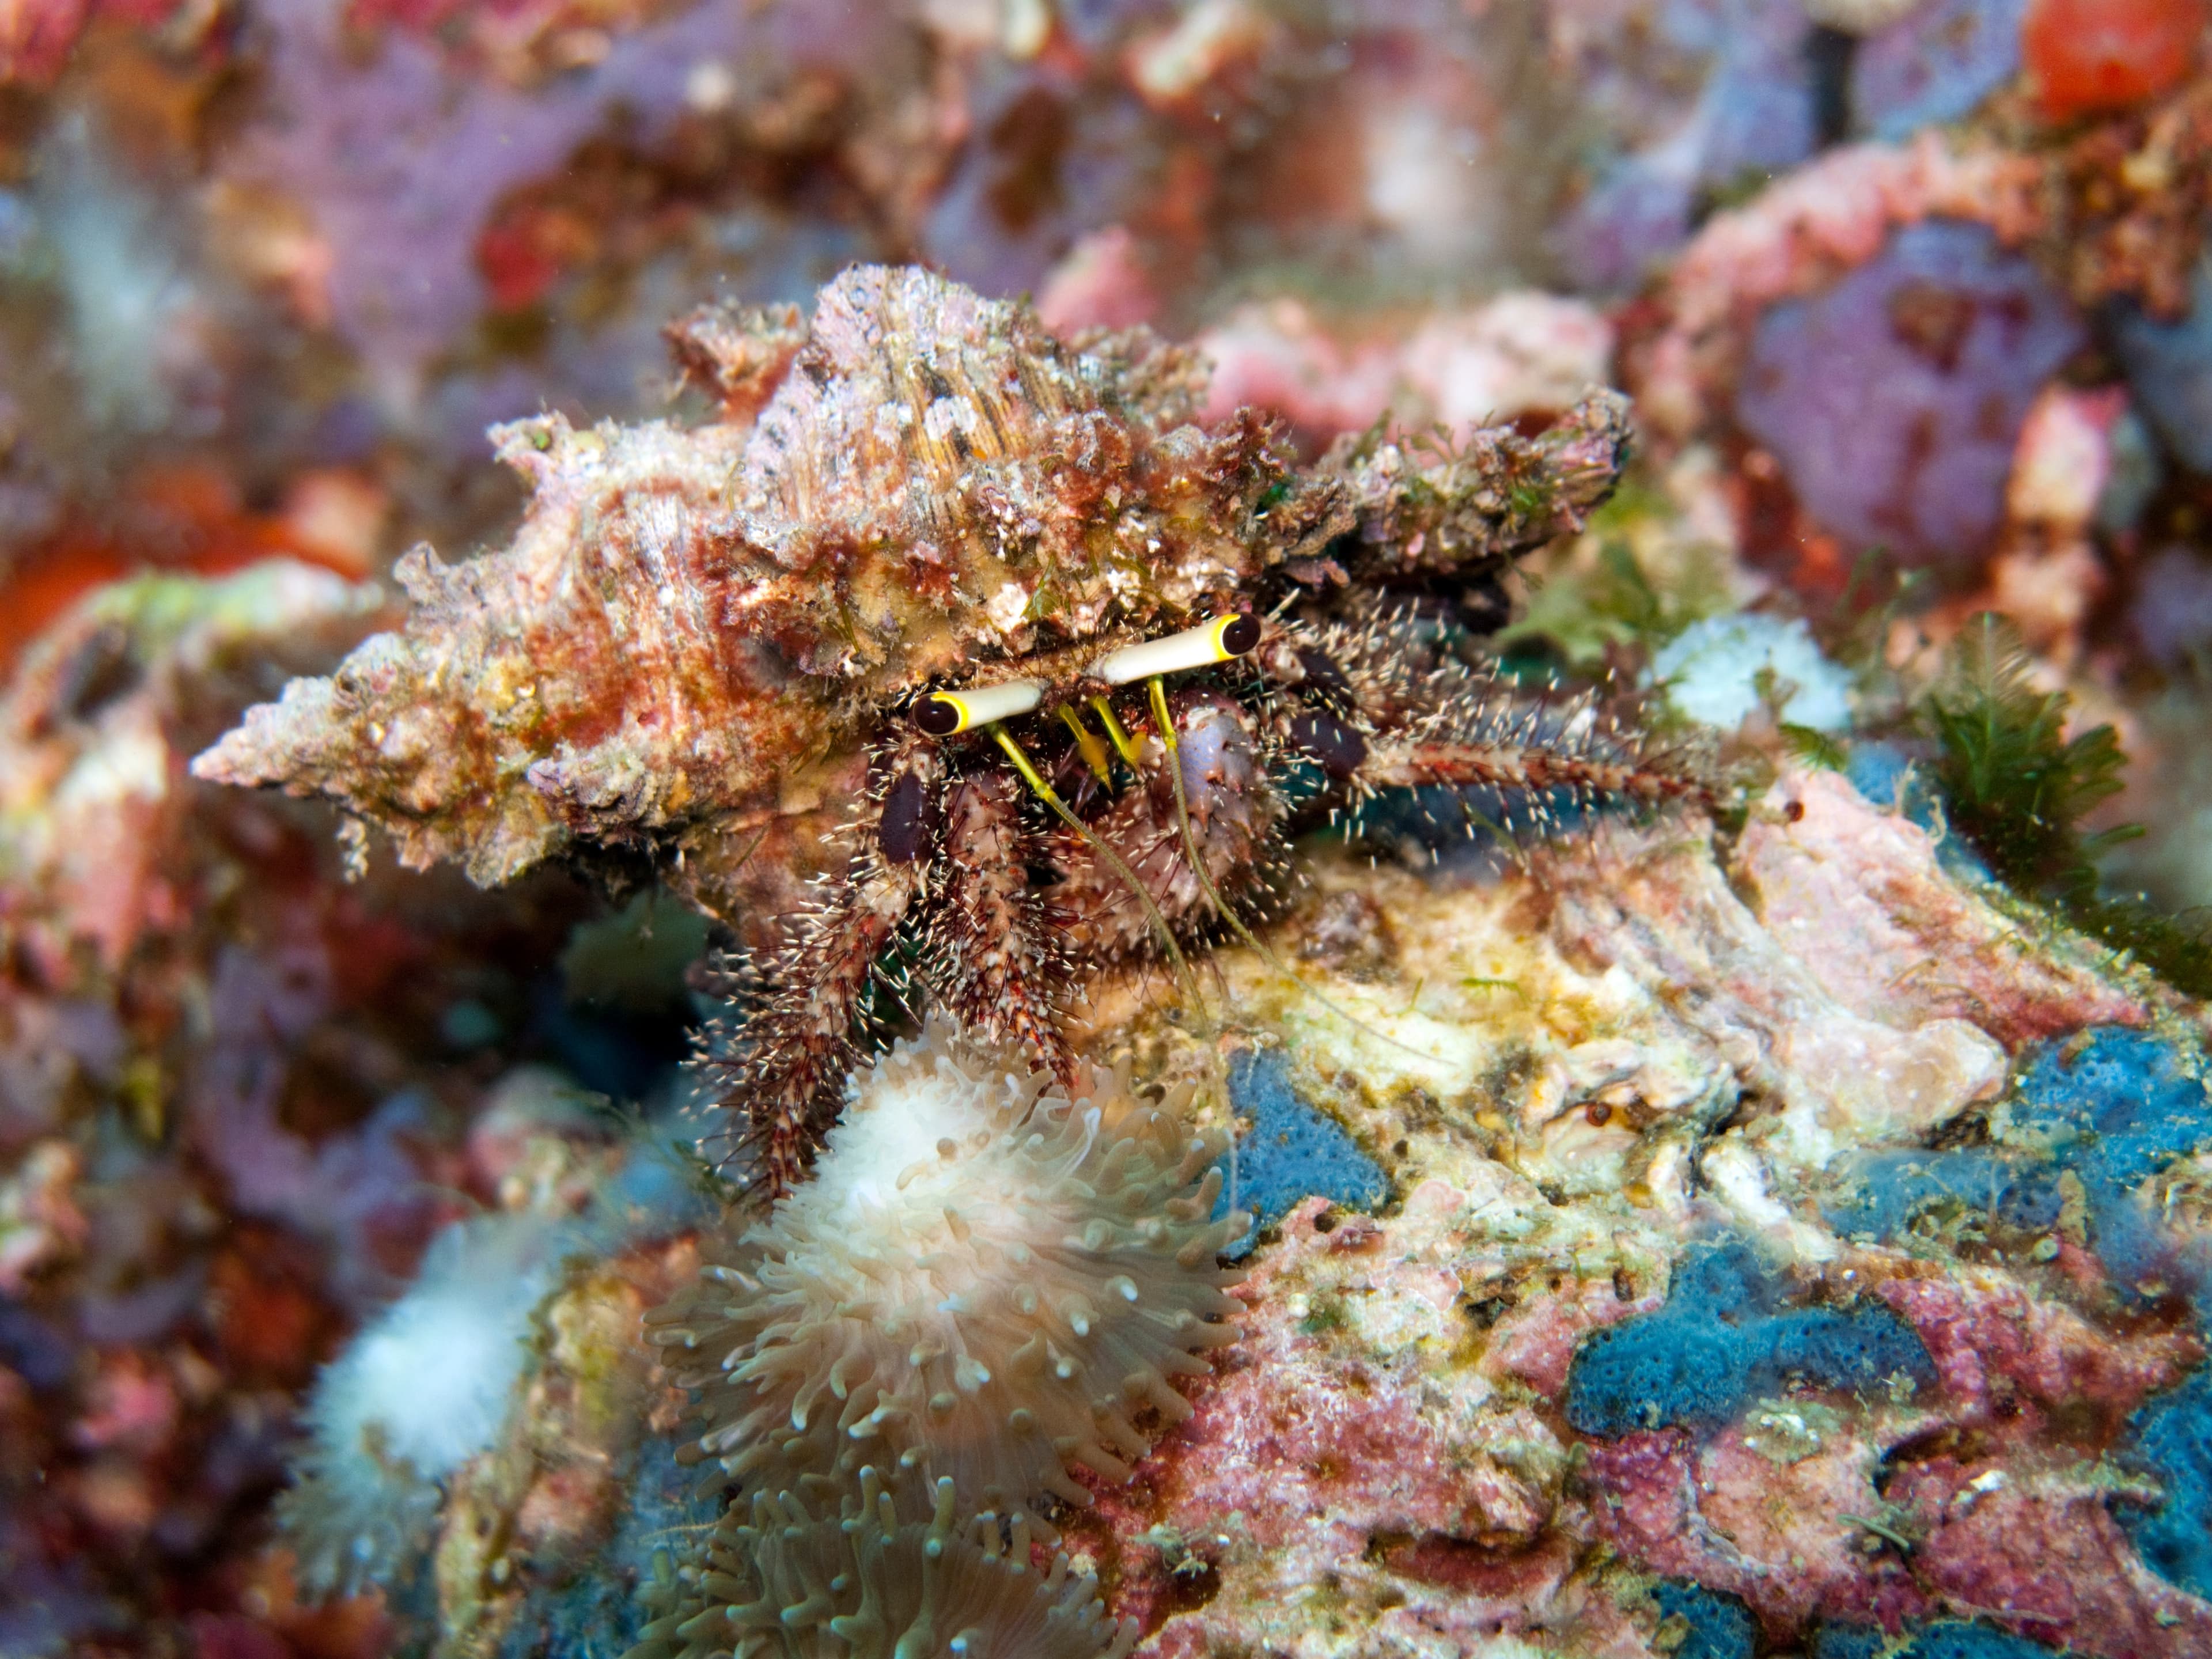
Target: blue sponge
(1946,1639)
(1286,1151)
(1720,1626)
(1724,1340)
(2119,1107)
(2174,1438)
(2113,1106)
(1887,1189)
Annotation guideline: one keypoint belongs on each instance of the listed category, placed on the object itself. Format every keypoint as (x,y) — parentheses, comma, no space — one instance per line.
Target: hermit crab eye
(942,714)
(1201,646)
(1239,634)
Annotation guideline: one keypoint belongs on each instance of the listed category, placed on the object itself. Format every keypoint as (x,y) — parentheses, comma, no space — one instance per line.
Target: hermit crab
(948,656)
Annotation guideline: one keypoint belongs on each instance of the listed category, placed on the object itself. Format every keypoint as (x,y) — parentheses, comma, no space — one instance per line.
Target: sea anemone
(423,1388)
(891,1577)
(984,1281)
(428,1382)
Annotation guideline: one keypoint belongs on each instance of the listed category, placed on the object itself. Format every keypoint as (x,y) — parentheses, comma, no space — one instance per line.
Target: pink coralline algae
(1521,353)
(1862,902)
(1400,1493)
(2007,1360)
(397,155)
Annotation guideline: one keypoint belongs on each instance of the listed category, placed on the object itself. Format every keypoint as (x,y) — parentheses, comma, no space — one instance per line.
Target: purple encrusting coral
(1894,398)
(1935,63)
(347,1189)
(400,157)
(2169,363)
(2173,613)
(1042,166)
(1756,112)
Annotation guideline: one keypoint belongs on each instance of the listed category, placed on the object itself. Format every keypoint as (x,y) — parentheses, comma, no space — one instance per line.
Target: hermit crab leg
(1087,745)
(996,959)
(793,1053)
(786,1063)
(1156,689)
(1106,855)
(1535,767)
(1157,693)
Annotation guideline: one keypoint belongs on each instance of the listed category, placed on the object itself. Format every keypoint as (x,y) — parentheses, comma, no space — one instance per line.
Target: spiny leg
(1536,768)
(1481,731)
(1381,700)
(782,1067)
(1462,729)
(994,962)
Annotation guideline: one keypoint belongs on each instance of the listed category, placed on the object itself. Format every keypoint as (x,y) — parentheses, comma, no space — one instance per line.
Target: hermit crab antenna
(1122,739)
(1112,859)
(1087,745)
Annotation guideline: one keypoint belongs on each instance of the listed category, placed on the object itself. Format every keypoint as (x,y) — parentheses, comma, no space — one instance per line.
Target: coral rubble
(1639,1223)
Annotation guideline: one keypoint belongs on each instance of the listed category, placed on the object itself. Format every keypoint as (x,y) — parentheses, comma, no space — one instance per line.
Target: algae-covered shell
(686,617)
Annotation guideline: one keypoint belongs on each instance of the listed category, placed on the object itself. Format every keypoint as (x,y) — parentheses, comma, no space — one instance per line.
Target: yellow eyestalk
(1210,642)
(944,714)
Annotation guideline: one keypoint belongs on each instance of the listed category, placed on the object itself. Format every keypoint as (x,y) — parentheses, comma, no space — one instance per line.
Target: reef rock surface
(1673,1242)
(1788,1244)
